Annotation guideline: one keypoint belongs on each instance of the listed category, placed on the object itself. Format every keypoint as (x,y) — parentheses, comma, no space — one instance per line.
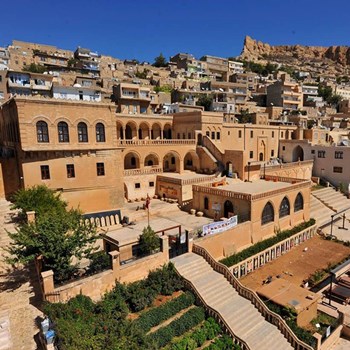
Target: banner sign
(220,226)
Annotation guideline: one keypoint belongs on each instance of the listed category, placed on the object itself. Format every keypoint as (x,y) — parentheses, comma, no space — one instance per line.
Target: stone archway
(171,162)
(151,160)
(167,132)
(132,161)
(191,161)
(130,131)
(298,154)
(156,131)
(228,209)
(144,131)
(199,139)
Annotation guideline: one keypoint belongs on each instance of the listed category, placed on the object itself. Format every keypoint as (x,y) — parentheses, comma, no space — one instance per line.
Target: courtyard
(299,263)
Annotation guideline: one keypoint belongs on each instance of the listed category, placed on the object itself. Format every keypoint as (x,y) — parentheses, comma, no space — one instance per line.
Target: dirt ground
(297,264)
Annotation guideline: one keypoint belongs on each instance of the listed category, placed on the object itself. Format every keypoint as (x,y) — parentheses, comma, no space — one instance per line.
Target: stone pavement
(341,344)
(19,306)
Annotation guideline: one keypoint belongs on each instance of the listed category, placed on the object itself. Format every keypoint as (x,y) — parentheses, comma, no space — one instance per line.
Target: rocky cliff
(336,56)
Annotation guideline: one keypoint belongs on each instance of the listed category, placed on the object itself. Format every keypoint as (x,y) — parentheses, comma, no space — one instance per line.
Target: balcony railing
(153,170)
(155,142)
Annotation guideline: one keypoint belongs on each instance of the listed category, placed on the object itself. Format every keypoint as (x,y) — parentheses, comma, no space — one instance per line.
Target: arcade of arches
(171,161)
(144,131)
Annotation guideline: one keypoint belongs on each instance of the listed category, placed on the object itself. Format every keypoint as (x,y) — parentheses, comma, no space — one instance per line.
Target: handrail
(213,149)
(216,314)
(158,142)
(269,315)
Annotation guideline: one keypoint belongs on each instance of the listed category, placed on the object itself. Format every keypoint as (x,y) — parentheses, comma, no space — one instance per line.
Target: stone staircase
(245,321)
(331,198)
(319,211)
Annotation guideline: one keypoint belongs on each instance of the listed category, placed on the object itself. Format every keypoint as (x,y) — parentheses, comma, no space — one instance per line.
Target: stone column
(164,245)
(30,216)
(115,257)
(123,134)
(48,284)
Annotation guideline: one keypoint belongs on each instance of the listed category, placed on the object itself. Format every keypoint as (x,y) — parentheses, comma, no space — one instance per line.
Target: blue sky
(143,29)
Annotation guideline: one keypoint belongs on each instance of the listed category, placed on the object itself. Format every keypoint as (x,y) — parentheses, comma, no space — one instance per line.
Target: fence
(254,262)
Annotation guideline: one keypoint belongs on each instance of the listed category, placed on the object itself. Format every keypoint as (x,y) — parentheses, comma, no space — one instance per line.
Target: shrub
(148,241)
(99,261)
(207,331)
(139,296)
(223,343)
(289,315)
(165,280)
(260,246)
(178,327)
(155,316)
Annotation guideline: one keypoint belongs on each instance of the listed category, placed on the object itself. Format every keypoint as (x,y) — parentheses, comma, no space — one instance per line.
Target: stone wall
(95,286)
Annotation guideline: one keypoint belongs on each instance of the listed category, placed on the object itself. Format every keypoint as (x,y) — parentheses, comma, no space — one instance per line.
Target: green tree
(34,68)
(57,235)
(245,117)
(335,99)
(205,101)
(40,199)
(148,241)
(160,61)
(325,92)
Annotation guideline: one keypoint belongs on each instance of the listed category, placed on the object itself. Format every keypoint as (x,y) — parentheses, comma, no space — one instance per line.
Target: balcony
(19,83)
(144,171)
(155,142)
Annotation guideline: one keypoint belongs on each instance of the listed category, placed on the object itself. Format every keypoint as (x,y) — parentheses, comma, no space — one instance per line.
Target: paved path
(18,315)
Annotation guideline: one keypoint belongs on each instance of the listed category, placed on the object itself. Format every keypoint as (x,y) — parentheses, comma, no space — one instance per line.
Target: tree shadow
(13,278)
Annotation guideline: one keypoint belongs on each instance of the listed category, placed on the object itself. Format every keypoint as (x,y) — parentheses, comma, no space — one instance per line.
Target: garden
(154,313)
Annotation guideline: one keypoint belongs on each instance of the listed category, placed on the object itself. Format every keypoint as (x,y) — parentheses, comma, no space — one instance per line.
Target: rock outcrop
(336,56)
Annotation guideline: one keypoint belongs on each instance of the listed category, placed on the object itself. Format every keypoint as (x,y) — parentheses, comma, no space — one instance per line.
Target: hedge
(155,316)
(141,294)
(178,327)
(196,338)
(267,243)
(223,343)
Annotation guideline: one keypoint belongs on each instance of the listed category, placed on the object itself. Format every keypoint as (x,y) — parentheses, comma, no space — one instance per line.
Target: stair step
(239,313)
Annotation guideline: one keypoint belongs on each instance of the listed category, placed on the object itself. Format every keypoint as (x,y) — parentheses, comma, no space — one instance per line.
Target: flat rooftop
(285,293)
(163,220)
(254,187)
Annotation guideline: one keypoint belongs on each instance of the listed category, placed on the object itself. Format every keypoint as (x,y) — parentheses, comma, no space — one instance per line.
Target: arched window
(268,214)
(133,161)
(82,132)
(284,208)
(42,131)
(100,133)
(299,202)
(63,134)
(206,203)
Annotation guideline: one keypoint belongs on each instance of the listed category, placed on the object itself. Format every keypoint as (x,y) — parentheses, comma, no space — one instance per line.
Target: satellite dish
(77,85)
